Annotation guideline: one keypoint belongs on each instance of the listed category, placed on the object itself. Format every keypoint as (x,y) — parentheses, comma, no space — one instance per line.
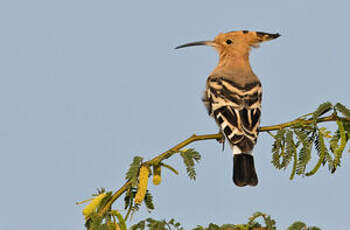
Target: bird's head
(235,43)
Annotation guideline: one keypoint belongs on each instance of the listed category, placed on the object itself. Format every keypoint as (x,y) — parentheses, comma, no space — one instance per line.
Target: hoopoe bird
(233,97)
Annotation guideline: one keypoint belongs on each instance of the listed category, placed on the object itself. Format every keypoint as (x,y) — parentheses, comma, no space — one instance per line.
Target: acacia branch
(299,121)
(156,160)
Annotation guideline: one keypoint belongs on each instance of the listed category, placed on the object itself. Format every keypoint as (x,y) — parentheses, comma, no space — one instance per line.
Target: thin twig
(332,117)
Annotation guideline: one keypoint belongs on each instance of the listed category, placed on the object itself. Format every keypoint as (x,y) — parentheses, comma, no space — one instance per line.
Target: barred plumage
(236,109)
(233,97)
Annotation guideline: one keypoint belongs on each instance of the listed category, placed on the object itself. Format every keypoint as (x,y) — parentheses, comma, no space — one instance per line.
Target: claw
(222,141)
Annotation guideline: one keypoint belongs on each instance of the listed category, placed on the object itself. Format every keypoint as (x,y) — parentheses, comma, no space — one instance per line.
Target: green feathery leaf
(213,227)
(198,228)
(294,169)
(334,141)
(99,191)
(190,156)
(321,149)
(104,201)
(290,149)
(134,171)
(153,224)
(341,108)
(322,109)
(94,222)
(339,151)
(149,200)
(278,148)
(139,226)
(305,151)
(313,228)
(128,199)
(347,127)
(298,225)
(194,154)
(269,222)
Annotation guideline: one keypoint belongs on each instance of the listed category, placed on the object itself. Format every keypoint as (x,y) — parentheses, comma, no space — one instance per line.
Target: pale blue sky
(86,85)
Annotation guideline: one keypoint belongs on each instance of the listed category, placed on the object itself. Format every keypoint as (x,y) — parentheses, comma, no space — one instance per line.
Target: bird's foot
(221,140)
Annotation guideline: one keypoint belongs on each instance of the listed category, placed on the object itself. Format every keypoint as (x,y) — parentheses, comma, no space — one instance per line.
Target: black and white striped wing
(236,109)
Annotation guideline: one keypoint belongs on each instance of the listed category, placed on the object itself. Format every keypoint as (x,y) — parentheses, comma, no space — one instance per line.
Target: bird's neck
(234,62)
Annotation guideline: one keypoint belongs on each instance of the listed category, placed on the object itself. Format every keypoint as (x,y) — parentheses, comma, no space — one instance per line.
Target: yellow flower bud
(157,175)
(92,206)
(142,186)
(157,179)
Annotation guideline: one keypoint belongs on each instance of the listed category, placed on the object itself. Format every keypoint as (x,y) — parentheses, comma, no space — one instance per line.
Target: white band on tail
(237,150)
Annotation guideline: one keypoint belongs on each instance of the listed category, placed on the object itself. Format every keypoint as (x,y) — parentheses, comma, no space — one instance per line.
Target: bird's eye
(228,42)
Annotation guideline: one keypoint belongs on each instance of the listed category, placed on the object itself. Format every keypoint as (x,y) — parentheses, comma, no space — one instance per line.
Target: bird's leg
(221,140)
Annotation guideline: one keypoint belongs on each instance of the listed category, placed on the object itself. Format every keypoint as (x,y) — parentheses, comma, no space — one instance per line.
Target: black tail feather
(244,170)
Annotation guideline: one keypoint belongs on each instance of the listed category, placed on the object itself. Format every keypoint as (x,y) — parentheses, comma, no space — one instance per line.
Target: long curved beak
(200,43)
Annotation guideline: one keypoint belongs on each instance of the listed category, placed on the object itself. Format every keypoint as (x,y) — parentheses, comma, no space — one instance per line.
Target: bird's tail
(244,170)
